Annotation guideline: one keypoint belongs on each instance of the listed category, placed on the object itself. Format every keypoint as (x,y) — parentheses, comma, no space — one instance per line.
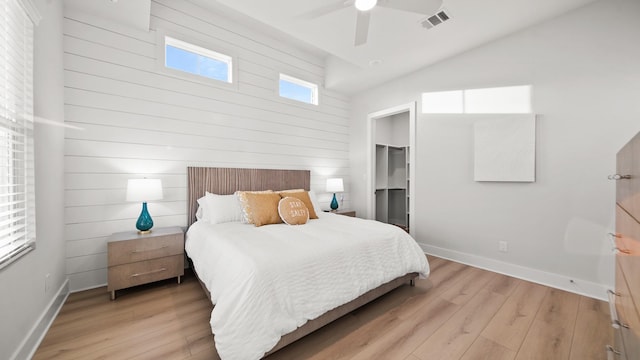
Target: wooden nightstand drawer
(127,251)
(142,272)
(136,259)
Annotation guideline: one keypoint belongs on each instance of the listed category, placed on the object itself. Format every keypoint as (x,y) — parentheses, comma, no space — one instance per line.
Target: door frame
(371,151)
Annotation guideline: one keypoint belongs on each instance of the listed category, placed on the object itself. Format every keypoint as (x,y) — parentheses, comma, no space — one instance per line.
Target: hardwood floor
(461,312)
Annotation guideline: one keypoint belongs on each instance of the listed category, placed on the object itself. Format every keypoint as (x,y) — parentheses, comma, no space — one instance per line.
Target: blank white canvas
(504,148)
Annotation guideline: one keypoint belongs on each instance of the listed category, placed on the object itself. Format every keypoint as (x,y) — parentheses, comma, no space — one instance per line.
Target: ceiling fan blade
(425,7)
(326,9)
(362,27)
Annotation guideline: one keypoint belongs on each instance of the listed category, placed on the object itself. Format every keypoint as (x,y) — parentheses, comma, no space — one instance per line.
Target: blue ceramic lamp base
(144,223)
(334,202)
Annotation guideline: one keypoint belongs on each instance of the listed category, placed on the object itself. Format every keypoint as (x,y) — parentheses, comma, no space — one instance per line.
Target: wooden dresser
(136,259)
(626,299)
(350,213)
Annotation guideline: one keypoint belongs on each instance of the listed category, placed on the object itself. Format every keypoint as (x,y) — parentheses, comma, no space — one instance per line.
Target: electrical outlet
(46,283)
(503,246)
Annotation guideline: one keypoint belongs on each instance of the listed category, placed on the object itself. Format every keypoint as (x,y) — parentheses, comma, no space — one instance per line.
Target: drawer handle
(618,177)
(615,323)
(148,272)
(160,248)
(611,352)
(614,247)
(624,251)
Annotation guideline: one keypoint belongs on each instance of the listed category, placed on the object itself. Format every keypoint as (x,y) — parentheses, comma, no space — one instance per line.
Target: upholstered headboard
(226,181)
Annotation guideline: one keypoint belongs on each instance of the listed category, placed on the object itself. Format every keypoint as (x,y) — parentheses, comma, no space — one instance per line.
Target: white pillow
(222,208)
(314,201)
(199,213)
(202,206)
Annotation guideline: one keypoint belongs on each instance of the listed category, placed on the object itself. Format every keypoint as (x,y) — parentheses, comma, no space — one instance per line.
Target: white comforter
(267,281)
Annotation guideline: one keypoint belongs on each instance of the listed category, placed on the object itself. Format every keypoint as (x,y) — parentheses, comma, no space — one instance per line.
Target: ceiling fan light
(365,5)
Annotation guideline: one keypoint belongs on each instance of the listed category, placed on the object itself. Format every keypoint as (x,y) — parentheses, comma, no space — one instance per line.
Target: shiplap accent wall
(129,118)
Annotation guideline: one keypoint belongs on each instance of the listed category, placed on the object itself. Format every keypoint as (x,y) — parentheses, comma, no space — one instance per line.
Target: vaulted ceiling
(397,41)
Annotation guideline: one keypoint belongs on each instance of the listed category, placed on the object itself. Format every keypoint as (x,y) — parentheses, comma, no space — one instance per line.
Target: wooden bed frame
(224,181)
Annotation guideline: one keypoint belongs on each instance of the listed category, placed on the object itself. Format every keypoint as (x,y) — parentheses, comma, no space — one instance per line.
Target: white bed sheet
(267,281)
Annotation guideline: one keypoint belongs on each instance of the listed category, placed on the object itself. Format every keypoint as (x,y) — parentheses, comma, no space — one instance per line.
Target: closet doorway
(391,162)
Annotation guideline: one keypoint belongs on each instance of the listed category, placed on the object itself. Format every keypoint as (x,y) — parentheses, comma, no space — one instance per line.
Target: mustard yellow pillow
(260,208)
(293,211)
(302,195)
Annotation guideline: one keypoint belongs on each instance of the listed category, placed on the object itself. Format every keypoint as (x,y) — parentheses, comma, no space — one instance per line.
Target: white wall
(586,80)
(25,306)
(135,120)
(393,130)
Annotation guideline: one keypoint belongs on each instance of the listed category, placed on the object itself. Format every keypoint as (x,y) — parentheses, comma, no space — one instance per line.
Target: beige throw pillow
(260,208)
(302,195)
(293,211)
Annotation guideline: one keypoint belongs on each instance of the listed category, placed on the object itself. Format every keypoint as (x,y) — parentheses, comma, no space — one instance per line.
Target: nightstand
(136,259)
(351,213)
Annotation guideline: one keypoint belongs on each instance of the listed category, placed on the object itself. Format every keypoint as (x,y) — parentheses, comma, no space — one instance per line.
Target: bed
(274,284)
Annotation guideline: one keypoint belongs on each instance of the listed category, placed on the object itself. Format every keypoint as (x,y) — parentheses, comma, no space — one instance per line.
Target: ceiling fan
(425,7)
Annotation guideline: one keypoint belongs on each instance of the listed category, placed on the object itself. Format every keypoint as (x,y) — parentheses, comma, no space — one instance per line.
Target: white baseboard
(88,288)
(577,286)
(30,344)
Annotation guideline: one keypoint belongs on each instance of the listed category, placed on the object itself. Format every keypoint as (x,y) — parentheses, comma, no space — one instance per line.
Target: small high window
(502,100)
(299,90)
(193,59)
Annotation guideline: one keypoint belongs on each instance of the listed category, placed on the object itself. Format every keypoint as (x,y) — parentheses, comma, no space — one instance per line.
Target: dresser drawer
(127,251)
(616,352)
(627,316)
(631,343)
(625,307)
(628,254)
(628,190)
(142,272)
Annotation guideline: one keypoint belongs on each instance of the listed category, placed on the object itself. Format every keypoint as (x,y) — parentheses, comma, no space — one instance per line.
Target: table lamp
(144,190)
(335,185)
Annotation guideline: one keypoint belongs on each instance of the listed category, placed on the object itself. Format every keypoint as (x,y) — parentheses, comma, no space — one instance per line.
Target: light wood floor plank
(466,288)
(551,332)
(104,336)
(208,354)
(485,349)
(510,325)
(201,341)
(592,332)
(362,328)
(400,341)
(456,335)
(448,274)
(503,285)
(165,320)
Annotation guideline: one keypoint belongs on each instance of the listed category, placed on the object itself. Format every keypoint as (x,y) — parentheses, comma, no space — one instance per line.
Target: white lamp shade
(365,5)
(144,190)
(335,185)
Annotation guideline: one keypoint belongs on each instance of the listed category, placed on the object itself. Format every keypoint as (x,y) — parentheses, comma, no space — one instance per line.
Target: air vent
(437,19)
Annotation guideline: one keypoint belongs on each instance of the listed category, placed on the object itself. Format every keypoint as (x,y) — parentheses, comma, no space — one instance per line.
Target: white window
(299,90)
(443,102)
(501,100)
(193,59)
(17,201)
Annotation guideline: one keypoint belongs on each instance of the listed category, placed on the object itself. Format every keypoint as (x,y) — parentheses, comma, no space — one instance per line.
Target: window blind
(17,187)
